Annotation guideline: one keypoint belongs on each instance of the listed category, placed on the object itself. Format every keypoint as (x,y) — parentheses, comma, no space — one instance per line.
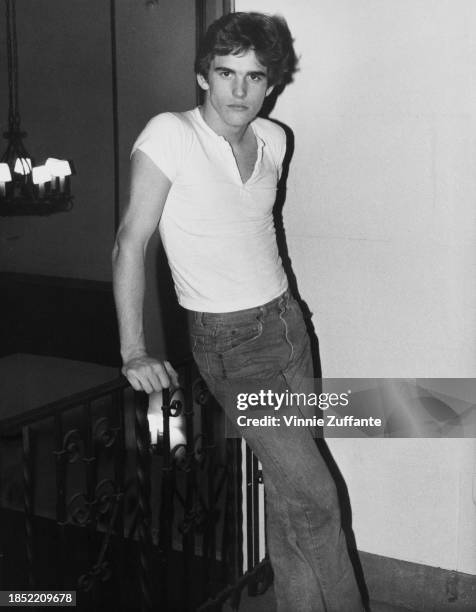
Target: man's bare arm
(149,190)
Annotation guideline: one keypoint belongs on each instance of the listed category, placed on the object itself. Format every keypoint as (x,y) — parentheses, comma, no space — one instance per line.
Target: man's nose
(239,88)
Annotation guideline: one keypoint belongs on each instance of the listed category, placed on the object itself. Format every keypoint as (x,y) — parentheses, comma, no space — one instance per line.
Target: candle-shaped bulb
(40,176)
(22,165)
(5,177)
(58,168)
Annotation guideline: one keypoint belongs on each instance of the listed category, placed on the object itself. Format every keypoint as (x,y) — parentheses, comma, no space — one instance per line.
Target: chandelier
(26,189)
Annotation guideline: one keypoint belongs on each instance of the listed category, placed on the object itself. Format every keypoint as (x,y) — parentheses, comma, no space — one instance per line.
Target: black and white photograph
(238,305)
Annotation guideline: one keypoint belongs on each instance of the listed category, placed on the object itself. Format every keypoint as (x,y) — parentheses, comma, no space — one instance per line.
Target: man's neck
(234,135)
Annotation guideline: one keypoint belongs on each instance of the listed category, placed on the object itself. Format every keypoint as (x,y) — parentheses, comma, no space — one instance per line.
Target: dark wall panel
(58,317)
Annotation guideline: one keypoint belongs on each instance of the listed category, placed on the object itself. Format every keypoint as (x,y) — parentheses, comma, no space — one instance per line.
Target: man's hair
(236,33)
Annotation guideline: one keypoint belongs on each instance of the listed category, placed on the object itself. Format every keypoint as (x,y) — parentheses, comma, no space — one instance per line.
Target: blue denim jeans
(269,346)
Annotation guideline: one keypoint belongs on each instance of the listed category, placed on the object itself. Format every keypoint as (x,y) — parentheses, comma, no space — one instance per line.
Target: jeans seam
(322,580)
(204,352)
(206,359)
(282,310)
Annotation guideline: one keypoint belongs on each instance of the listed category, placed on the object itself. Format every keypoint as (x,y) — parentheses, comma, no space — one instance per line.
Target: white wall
(380,221)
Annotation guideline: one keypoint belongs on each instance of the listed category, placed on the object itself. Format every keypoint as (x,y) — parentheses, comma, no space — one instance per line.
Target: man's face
(236,88)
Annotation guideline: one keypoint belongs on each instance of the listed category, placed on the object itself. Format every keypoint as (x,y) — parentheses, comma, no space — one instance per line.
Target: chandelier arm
(12,62)
(11,97)
(27,190)
(15,65)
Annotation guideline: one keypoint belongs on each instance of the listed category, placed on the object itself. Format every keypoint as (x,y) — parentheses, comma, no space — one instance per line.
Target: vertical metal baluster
(90,463)
(254,515)
(119,456)
(191,498)
(236,552)
(248,519)
(89,460)
(2,554)
(238,540)
(28,501)
(143,480)
(60,457)
(166,503)
(209,537)
(119,477)
(228,517)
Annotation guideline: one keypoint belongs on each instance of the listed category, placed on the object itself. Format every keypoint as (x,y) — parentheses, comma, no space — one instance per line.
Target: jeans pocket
(231,338)
(202,361)
(202,341)
(224,339)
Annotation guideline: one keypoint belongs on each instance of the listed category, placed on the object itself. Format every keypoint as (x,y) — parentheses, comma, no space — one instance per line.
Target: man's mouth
(238,107)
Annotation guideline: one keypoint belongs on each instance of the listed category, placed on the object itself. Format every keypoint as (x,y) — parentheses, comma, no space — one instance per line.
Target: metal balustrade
(126,523)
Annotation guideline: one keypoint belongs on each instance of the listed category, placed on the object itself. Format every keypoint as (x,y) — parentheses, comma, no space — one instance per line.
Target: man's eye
(225,73)
(256,77)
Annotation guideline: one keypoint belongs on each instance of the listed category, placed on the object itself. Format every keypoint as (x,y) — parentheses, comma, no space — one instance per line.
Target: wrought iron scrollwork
(195,486)
(100,572)
(73,447)
(79,509)
(103,434)
(200,449)
(107,499)
(82,511)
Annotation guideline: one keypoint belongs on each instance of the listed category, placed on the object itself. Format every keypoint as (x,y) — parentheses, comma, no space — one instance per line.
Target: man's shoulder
(170,121)
(167,131)
(166,139)
(274,138)
(270,130)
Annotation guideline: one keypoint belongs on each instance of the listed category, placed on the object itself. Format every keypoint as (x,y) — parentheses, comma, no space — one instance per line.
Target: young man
(208,178)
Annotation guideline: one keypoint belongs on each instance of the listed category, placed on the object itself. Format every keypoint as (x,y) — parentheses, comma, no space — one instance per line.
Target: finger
(150,373)
(162,375)
(149,379)
(146,385)
(172,374)
(132,380)
(136,383)
(141,378)
(145,381)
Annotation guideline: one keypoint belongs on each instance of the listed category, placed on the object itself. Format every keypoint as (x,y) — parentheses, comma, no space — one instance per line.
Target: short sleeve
(281,151)
(162,140)
(276,142)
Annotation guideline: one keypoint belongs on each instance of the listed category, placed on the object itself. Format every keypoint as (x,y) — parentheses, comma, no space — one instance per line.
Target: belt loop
(199,318)
(260,317)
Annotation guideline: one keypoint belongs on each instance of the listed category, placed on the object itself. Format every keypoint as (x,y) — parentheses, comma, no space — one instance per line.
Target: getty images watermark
(270,400)
(385,408)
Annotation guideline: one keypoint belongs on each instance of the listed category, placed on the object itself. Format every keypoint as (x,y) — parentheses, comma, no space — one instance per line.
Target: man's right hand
(148,374)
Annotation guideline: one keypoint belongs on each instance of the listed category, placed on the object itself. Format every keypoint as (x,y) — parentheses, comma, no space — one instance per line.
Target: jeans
(269,345)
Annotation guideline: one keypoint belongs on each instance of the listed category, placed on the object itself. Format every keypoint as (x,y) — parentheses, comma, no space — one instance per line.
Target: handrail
(51,408)
(197,496)
(76,399)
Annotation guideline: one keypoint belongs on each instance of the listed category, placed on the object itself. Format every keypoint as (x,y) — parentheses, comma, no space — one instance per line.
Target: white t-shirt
(218,233)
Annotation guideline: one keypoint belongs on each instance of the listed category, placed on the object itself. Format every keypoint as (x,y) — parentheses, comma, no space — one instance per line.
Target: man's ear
(202,82)
(269,90)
